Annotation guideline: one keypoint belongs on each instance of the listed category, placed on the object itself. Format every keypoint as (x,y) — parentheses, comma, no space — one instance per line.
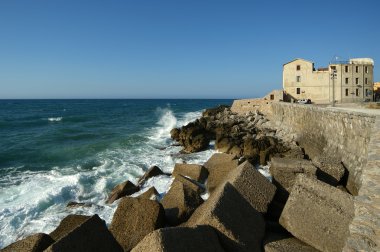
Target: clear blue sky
(173,49)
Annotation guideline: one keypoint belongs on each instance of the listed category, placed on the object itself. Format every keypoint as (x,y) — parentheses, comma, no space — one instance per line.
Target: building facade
(344,81)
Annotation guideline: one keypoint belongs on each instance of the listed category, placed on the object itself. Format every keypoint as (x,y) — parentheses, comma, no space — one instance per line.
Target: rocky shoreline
(306,207)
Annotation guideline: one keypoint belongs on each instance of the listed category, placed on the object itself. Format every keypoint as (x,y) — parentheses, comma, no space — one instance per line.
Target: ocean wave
(55,119)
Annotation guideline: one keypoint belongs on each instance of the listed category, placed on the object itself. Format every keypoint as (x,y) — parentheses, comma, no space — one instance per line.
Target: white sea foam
(32,202)
(55,119)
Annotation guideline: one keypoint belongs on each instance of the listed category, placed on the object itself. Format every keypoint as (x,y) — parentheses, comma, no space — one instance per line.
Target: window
(366,92)
(298,78)
(272,96)
(357,69)
(357,92)
(298,67)
(366,69)
(366,80)
(333,67)
(356,81)
(346,91)
(298,90)
(346,69)
(346,80)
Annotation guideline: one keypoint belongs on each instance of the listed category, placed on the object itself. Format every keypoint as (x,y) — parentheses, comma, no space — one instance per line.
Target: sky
(173,49)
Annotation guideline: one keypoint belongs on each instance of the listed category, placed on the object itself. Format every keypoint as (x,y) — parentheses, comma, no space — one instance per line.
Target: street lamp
(333,77)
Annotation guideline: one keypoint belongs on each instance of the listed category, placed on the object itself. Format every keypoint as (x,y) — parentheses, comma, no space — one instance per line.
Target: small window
(346,69)
(346,91)
(346,80)
(356,81)
(366,69)
(357,92)
(272,96)
(366,92)
(366,80)
(298,67)
(357,69)
(298,90)
(298,78)
(333,67)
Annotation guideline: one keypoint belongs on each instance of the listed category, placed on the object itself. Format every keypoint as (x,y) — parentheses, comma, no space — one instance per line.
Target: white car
(304,101)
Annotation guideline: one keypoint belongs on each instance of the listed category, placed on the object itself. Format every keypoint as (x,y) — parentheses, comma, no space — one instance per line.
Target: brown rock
(239,226)
(285,170)
(150,194)
(184,239)
(91,235)
(194,171)
(174,133)
(73,204)
(318,214)
(180,202)
(68,224)
(121,190)
(134,219)
(196,186)
(275,242)
(252,185)
(34,243)
(218,166)
(152,172)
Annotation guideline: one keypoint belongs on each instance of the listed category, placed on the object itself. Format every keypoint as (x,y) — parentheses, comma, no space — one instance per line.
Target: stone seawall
(352,137)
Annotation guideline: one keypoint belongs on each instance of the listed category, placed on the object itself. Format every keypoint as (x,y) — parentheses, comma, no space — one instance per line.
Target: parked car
(304,101)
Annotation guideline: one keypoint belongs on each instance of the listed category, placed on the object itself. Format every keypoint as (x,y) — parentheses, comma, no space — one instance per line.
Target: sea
(56,151)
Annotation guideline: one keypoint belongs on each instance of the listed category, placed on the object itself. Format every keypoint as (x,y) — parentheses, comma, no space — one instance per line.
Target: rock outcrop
(121,190)
(34,243)
(184,239)
(318,214)
(134,219)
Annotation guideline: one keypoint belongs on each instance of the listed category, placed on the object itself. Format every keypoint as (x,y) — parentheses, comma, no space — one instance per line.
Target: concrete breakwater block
(184,239)
(180,202)
(152,172)
(253,186)
(91,235)
(275,242)
(194,171)
(33,243)
(121,190)
(68,224)
(239,226)
(151,194)
(318,214)
(285,171)
(218,166)
(134,218)
(330,170)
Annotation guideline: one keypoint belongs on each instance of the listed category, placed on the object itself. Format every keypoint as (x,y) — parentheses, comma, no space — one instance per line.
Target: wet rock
(121,190)
(91,235)
(68,224)
(73,204)
(152,172)
(150,194)
(193,137)
(239,226)
(180,202)
(184,239)
(253,186)
(134,218)
(194,171)
(33,243)
(174,133)
(318,214)
(218,166)
(275,242)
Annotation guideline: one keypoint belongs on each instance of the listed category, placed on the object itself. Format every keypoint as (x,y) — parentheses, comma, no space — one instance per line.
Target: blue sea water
(56,151)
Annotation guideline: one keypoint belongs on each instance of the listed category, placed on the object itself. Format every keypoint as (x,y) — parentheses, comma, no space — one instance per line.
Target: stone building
(376,91)
(352,82)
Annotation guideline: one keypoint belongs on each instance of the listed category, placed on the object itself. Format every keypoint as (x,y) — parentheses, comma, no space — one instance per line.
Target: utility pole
(333,77)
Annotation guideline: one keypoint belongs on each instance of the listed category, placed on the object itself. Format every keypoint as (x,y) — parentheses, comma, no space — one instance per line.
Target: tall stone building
(342,81)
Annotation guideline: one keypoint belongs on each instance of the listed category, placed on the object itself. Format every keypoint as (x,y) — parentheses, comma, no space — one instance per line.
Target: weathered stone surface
(150,194)
(134,219)
(152,172)
(91,235)
(239,226)
(275,242)
(180,202)
(73,204)
(193,137)
(318,214)
(33,243)
(68,224)
(285,170)
(193,184)
(330,170)
(194,171)
(121,190)
(218,166)
(184,239)
(252,185)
